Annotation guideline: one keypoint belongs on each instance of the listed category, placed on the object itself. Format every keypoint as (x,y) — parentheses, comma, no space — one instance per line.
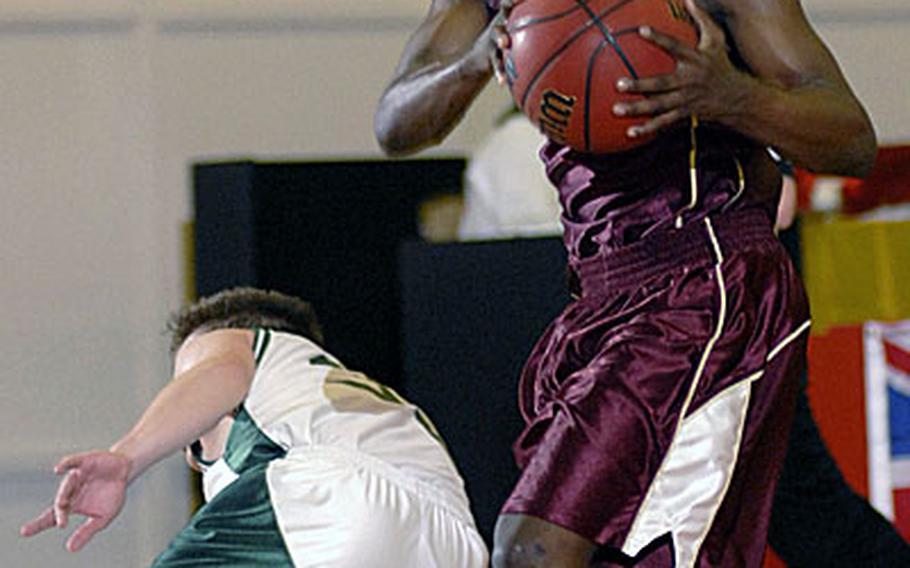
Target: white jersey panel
(302,398)
(342,509)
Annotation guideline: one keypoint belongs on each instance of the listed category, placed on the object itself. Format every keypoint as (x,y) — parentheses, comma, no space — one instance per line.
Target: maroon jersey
(612,200)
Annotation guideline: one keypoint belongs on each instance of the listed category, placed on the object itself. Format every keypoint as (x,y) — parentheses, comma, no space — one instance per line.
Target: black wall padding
(471,314)
(325,231)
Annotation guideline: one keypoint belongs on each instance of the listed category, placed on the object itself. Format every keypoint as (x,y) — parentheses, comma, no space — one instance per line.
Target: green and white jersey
(324,457)
(302,397)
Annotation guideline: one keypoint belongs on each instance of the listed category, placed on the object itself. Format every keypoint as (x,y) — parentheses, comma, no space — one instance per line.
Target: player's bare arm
(795,99)
(213,372)
(444,66)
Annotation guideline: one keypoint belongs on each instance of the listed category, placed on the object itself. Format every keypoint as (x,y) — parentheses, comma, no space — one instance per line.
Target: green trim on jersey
(261,343)
(248,446)
(428,425)
(196,452)
(322,360)
(236,528)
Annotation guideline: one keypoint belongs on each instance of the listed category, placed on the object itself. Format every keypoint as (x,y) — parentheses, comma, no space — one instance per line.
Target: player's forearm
(420,110)
(814,126)
(187,407)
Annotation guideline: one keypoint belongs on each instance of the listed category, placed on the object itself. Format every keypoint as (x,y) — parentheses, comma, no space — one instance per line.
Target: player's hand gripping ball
(565,57)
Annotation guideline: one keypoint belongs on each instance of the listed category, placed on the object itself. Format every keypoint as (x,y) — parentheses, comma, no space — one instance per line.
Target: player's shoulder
(234,340)
(208,345)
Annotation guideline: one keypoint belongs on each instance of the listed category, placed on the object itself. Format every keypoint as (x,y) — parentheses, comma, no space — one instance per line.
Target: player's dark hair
(245,308)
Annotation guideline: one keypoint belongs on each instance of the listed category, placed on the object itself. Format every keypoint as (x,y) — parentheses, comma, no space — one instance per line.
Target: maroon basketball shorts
(658,405)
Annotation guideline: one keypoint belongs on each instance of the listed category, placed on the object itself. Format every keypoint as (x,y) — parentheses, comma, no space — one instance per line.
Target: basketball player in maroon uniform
(657,406)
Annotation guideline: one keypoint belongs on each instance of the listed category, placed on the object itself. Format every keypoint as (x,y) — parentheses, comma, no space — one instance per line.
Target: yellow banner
(856,270)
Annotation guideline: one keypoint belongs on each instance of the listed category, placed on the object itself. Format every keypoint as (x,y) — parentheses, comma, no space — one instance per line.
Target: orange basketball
(566,56)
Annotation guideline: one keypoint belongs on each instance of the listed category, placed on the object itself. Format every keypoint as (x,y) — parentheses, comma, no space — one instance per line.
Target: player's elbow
(851,152)
(863,153)
(391,130)
(389,142)
(856,156)
(392,145)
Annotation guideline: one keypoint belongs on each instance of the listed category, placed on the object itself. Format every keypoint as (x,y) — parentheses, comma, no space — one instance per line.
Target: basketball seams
(560,48)
(553,57)
(593,20)
(530,22)
(608,35)
(592,62)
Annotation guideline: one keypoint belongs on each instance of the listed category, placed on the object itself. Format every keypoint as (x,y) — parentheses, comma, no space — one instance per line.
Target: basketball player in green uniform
(305,463)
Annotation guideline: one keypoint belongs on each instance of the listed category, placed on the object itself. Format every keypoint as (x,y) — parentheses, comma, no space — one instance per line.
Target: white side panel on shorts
(694,475)
(690,487)
(687,492)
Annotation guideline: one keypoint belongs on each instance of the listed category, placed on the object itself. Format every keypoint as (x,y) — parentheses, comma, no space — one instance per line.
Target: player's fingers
(710,34)
(84,533)
(650,106)
(64,497)
(648,85)
(678,50)
(496,63)
(498,57)
(67,463)
(656,124)
(498,42)
(501,37)
(42,522)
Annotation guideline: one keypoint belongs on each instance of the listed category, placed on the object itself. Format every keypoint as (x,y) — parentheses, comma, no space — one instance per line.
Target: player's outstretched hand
(705,82)
(93,485)
(498,39)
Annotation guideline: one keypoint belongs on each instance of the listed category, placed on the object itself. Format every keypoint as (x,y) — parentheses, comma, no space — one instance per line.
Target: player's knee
(514,545)
(527,542)
(532,553)
(518,553)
